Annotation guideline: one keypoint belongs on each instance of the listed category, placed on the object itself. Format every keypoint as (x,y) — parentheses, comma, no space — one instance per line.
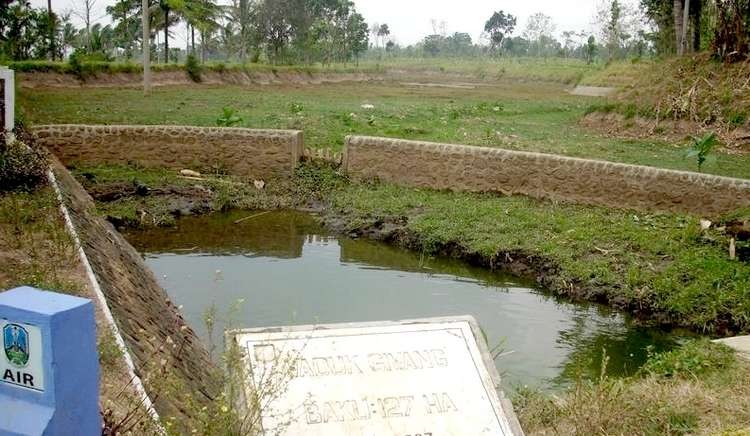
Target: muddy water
(281,268)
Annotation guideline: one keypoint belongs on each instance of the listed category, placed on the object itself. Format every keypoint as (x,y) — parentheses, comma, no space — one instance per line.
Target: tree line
(280,31)
(327,31)
(653,27)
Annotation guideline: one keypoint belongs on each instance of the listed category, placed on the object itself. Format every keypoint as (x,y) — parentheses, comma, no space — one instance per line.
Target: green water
(281,268)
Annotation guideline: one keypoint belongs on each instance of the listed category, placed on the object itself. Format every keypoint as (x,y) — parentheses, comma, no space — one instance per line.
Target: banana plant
(702,148)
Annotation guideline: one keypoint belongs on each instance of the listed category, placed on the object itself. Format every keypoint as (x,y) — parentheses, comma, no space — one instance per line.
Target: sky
(411,20)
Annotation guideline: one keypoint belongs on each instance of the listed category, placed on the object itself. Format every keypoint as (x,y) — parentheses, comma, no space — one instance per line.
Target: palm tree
(51,24)
(145,18)
(171,10)
(201,14)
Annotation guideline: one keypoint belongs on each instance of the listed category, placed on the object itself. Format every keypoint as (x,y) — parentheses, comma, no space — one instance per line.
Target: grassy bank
(531,116)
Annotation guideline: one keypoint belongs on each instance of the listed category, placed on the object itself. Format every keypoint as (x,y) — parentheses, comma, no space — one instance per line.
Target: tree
(167,7)
(675,20)
(659,12)
(357,35)
(83,10)
(202,14)
(432,45)
(732,41)
(590,50)
(25,31)
(540,32)
(126,22)
(383,32)
(52,24)
(498,26)
(374,32)
(677,14)
(459,44)
(614,29)
(276,27)
(146,48)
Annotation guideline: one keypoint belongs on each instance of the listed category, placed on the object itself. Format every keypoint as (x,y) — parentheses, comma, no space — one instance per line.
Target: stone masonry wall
(242,152)
(145,316)
(482,169)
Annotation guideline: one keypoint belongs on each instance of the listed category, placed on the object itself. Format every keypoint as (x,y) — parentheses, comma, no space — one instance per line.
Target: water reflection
(289,271)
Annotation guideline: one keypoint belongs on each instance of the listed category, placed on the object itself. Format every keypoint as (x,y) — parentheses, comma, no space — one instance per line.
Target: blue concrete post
(49,366)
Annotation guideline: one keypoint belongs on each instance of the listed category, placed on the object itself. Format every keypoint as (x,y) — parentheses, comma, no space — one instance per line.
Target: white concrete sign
(9,91)
(413,378)
(21,355)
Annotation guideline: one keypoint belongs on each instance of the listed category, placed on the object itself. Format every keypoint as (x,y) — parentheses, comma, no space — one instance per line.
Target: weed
(737,119)
(110,354)
(348,119)
(296,108)
(228,118)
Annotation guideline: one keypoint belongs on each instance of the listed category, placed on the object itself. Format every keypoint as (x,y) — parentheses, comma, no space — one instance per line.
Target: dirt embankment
(735,140)
(677,98)
(33,80)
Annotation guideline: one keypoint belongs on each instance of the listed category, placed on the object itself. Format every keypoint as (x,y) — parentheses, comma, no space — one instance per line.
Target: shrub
(21,168)
(193,68)
(75,65)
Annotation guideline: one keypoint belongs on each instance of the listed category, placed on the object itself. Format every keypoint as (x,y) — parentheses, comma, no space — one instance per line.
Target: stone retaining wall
(144,314)
(482,169)
(248,153)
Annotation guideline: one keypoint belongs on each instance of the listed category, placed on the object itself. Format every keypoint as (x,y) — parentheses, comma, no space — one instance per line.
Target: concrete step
(739,343)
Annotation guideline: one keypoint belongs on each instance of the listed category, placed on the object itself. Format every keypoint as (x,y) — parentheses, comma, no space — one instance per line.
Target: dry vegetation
(700,388)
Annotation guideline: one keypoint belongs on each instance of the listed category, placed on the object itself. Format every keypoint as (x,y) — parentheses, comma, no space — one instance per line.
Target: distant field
(568,71)
(512,114)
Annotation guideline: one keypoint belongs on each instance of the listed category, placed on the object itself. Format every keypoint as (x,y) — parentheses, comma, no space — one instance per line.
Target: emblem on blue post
(16,344)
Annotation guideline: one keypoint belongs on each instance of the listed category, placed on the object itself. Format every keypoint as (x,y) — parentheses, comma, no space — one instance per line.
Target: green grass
(568,71)
(518,115)
(659,263)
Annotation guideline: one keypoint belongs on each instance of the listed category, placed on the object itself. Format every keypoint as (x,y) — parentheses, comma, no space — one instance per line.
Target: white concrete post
(9,103)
